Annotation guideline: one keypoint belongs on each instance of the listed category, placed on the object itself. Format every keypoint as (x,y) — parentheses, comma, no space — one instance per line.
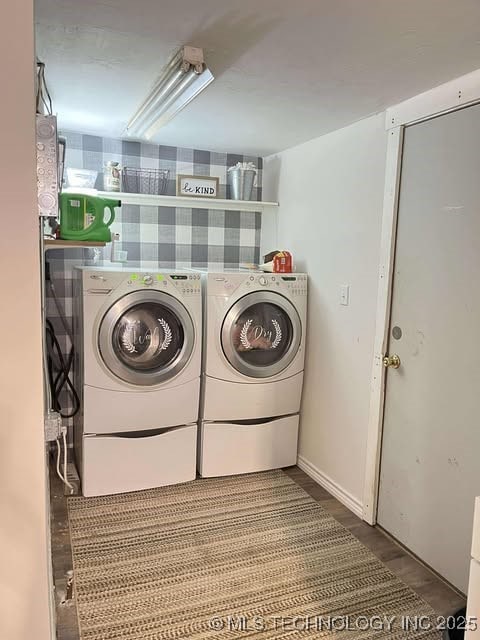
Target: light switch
(345,294)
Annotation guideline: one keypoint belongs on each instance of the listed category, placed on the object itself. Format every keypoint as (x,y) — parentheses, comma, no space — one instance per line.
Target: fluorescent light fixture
(184,77)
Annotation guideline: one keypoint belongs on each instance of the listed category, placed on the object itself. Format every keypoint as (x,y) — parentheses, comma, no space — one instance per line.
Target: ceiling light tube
(176,104)
(159,103)
(171,75)
(162,89)
(183,78)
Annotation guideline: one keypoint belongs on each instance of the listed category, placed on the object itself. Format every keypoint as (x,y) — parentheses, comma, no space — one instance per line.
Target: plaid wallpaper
(166,237)
(159,237)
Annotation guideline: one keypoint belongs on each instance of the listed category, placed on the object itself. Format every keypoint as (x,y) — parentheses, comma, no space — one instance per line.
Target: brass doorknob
(392,361)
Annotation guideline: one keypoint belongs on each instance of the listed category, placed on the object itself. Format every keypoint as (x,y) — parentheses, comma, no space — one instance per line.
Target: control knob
(148,280)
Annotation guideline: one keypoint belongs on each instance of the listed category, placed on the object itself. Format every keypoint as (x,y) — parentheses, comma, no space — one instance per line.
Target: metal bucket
(241,183)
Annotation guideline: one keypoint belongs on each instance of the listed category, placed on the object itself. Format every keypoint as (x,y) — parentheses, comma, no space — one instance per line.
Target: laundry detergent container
(82,217)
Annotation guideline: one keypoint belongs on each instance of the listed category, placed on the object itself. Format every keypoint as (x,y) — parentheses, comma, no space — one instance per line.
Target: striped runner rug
(250,556)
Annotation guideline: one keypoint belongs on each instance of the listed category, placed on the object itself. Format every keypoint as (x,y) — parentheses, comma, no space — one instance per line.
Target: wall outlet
(53,426)
(345,294)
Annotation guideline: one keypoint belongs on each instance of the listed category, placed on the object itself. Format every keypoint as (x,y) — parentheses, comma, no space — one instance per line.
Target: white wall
(24,601)
(331,196)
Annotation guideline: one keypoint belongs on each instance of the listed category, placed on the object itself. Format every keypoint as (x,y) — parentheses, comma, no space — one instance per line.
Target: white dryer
(254,354)
(138,340)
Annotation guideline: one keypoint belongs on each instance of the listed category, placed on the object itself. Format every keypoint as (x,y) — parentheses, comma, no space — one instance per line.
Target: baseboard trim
(354,504)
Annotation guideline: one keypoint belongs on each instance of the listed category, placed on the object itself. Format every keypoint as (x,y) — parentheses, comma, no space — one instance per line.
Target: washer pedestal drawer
(107,411)
(132,462)
(232,448)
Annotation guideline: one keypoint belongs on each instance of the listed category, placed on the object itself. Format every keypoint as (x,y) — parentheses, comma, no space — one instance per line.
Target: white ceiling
(286,70)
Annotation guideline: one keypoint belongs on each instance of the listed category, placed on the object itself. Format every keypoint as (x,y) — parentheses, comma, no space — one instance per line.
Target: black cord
(59,373)
(43,93)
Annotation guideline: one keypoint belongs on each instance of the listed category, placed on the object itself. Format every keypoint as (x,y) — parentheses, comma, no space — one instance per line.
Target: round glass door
(146,337)
(261,334)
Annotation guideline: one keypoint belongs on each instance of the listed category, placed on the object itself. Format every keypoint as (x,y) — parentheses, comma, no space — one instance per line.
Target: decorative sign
(131,337)
(197,186)
(257,337)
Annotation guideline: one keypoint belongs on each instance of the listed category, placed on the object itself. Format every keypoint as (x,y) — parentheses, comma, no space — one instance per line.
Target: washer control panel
(186,284)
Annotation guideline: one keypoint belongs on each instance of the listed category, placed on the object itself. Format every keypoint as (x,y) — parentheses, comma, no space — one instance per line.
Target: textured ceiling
(286,71)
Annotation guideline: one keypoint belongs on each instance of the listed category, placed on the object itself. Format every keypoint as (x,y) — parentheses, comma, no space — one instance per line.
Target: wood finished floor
(426,584)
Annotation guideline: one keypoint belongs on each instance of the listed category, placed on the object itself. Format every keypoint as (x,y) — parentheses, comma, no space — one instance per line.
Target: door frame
(448,97)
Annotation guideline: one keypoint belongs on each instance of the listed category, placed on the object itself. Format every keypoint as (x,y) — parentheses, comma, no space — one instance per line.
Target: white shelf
(147,200)
(70,244)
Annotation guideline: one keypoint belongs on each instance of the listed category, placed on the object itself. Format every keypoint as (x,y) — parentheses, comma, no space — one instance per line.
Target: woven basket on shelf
(152,181)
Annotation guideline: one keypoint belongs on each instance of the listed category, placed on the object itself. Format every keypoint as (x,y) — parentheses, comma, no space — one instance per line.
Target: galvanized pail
(241,183)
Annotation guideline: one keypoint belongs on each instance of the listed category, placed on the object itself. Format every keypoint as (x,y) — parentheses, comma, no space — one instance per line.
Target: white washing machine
(254,354)
(138,343)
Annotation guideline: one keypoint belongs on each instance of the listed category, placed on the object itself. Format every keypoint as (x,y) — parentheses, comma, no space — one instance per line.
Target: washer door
(146,337)
(261,334)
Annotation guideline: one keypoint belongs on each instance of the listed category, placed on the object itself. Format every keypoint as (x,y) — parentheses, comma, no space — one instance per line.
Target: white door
(430,466)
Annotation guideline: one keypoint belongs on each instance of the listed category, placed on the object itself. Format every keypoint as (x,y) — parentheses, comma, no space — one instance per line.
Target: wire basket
(153,181)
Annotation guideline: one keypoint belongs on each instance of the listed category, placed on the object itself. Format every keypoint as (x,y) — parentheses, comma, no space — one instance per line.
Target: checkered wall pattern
(163,237)
(91,152)
(159,237)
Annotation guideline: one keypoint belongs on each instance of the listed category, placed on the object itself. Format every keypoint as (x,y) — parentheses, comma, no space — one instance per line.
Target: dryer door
(261,334)
(146,337)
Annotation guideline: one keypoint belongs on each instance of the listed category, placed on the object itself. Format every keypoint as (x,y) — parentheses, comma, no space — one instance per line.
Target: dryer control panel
(297,284)
(225,283)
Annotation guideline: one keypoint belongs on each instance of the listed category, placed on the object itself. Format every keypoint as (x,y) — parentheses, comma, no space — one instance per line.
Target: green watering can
(82,217)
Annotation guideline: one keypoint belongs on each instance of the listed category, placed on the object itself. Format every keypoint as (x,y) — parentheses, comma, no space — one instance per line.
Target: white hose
(59,473)
(63,477)
(64,434)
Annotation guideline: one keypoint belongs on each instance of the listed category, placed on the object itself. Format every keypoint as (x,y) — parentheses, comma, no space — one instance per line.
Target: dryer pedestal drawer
(228,449)
(115,464)
(232,401)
